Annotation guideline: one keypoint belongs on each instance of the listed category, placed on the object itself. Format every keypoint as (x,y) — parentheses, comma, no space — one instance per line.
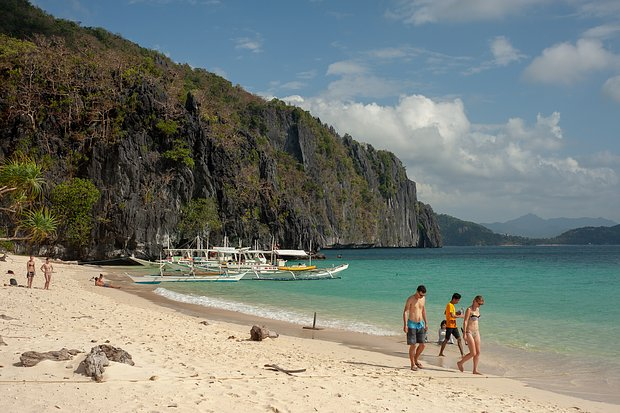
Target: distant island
(456,232)
(533,226)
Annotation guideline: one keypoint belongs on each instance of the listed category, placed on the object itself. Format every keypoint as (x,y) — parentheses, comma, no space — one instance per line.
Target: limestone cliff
(152,135)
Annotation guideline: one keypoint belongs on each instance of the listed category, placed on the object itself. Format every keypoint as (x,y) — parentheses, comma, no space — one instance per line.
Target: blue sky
(497,108)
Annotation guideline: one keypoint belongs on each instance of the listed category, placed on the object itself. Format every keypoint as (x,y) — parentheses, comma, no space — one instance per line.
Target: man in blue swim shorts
(415,325)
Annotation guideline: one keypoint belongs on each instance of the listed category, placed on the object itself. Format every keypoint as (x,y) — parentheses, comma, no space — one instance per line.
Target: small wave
(273,313)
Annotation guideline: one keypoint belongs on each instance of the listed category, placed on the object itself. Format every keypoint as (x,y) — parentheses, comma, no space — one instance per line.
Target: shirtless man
(30,271)
(415,325)
(47,269)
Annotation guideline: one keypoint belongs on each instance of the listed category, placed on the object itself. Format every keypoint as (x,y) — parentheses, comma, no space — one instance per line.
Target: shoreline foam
(215,367)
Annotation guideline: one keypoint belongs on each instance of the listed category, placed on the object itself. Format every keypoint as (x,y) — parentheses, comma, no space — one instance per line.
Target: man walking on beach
(451,328)
(30,271)
(415,325)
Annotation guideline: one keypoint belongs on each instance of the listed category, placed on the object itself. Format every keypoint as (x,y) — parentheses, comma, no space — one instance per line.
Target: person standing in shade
(415,325)
(30,271)
(47,269)
(451,327)
(472,334)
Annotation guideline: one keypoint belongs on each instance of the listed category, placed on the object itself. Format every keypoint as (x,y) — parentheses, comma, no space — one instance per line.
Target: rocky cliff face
(143,194)
(274,171)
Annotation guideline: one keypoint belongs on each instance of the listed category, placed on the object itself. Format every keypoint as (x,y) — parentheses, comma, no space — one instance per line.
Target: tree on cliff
(199,217)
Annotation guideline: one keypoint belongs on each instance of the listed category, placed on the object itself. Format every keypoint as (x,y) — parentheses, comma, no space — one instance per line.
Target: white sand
(214,367)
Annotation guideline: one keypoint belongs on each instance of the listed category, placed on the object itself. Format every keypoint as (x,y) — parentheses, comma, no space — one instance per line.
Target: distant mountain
(533,226)
(590,235)
(457,232)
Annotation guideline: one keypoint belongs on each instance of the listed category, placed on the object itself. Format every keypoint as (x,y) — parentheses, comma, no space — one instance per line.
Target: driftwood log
(259,333)
(32,358)
(100,357)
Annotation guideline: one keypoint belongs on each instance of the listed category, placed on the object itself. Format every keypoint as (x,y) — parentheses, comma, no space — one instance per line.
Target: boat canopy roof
(291,253)
(225,250)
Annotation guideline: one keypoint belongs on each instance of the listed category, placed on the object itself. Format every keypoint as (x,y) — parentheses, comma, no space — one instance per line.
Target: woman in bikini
(472,333)
(47,269)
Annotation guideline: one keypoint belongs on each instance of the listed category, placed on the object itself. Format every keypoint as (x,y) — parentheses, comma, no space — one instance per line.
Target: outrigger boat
(187,277)
(187,274)
(288,275)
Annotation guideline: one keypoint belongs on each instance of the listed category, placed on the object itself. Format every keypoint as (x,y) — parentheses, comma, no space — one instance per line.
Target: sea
(550,316)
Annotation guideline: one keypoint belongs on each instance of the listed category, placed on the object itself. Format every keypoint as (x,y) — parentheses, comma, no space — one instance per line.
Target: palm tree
(22,178)
(38,224)
(22,181)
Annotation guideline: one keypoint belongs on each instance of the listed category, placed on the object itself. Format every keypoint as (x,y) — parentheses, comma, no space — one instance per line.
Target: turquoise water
(556,301)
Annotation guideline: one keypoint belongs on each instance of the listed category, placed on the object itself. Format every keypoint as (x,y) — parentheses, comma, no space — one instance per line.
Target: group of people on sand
(47,268)
(415,325)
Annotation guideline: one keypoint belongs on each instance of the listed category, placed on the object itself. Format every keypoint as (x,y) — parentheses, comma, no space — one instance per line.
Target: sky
(497,108)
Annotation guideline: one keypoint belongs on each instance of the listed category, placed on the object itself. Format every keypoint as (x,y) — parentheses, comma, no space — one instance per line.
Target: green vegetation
(588,235)
(167,127)
(199,217)
(38,224)
(23,179)
(21,192)
(73,202)
(180,153)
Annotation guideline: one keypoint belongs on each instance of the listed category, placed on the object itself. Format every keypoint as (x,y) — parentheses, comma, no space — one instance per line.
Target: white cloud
(486,171)
(346,67)
(254,44)
(374,87)
(431,11)
(356,81)
(612,88)
(565,64)
(308,74)
(602,32)
(600,8)
(294,85)
(389,53)
(503,51)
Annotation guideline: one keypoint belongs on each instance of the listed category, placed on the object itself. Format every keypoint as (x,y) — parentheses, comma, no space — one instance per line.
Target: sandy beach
(205,361)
